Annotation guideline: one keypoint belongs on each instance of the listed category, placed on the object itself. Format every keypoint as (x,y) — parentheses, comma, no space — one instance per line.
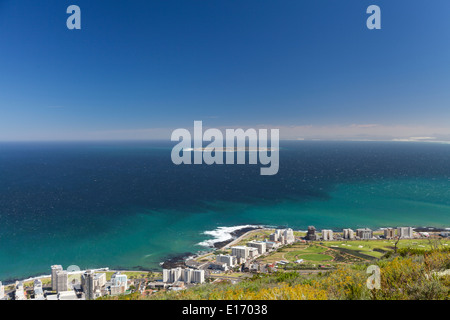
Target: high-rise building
(288,235)
(260,245)
(405,232)
(185,275)
(276,236)
(285,236)
(92,283)
(348,234)
(240,252)
(389,233)
(2,291)
(194,276)
(327,235)
(55,268)
(62,281)
(311,234)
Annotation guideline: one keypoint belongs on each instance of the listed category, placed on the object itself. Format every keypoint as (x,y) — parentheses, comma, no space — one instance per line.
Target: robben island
(254,252)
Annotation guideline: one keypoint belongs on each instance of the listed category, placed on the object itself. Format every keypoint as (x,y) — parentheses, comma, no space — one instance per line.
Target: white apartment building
(405,232)
(38,291)
(240,252)
(229,260)
(348,234)
(19,292)
(260,245)
(119,283)
(185,275)
(364,234)
(2,291)
(253,252)
(270,245)
(285,236)
(327,235)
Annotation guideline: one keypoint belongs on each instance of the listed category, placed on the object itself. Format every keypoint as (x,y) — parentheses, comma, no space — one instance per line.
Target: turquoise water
(122,216)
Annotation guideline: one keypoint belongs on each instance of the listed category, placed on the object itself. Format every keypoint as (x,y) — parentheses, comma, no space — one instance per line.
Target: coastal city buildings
(252,252)
(92,284)
(285,236)
(61,281)
(2,291)
(311,234)
(19,293)
(183,275)
(55,269)
(270,245)
(364,234)
(348,234)
(240,252)
(119,283)
(229,260)
(38,291)
(327,235)
(389,233)
(405,232)
(260,245)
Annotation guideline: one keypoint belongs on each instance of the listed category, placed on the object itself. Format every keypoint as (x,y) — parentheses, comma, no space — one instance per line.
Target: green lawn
(315,257)
(369,247)
(299,251)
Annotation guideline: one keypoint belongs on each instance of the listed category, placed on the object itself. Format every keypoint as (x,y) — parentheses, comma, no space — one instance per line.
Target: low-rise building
(364,233)
(270,245)
(19,293)
(253,252)
(38,291)
(119,283)
(228,259)
(222,266)
(63,295)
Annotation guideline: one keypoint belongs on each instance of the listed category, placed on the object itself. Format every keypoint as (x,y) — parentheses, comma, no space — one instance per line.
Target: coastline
(237,232)
(179,260)
(240,233)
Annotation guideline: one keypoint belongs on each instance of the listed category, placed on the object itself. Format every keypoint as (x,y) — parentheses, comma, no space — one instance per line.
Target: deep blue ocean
(125,205)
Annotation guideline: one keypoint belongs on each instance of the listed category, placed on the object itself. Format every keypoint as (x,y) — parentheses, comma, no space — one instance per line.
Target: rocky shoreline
(235,234)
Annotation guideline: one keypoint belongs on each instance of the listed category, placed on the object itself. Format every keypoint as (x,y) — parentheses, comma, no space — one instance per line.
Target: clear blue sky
(145,64)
